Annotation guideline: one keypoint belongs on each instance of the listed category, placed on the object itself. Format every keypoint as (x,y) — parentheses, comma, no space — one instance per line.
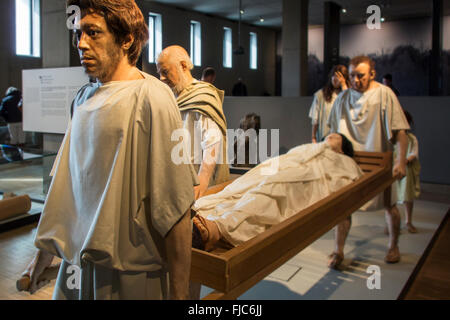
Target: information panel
(47,97)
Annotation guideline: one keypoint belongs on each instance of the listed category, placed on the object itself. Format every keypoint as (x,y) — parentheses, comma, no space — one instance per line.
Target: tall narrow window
(28,28)
(155,37)
(196,43)
(253,51)
(227,48)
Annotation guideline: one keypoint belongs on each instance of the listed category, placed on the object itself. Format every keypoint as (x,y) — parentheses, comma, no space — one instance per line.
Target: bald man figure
(371,117)
(200,105)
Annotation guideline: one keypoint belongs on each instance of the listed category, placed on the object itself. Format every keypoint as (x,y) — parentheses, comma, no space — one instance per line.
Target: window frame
(253,51)
(227,60)
(34,34)
(196,43)
(155,36)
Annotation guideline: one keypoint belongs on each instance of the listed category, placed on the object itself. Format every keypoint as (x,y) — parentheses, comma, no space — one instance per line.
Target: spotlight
(261,19)
(382,19)
(242,11)
(344,10)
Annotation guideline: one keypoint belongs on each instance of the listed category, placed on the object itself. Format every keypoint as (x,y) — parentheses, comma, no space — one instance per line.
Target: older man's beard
(182,84)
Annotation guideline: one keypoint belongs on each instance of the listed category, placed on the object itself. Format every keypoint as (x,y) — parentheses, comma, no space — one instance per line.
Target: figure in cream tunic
(116,193)
(369,120)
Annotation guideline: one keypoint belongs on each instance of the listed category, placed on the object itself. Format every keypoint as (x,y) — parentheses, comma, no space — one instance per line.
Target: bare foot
(411,228)
(208,231)
(335,260)
(393,255)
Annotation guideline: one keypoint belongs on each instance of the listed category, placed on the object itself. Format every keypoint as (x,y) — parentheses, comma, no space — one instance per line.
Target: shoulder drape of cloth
(206,99)
(255,201)
(116,192)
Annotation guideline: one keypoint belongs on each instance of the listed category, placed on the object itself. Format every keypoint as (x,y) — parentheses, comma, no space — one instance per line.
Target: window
(253,51)
(28,28)
(227,48)
(196,43)
(155,37)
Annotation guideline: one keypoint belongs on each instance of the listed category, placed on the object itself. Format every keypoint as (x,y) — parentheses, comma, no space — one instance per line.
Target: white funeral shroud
(369,120)
(254,201)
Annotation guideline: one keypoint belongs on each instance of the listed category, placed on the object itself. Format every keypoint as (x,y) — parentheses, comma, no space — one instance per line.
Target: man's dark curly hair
(123,18)
(347,146)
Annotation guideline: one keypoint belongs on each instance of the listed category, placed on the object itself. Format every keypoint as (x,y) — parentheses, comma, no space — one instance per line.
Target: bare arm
(342,81)
(178,251)
(315,127)
(399,169)
(35,268)
(206,171)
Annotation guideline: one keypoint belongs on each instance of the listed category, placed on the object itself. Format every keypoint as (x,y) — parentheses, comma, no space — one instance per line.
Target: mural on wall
(402,49)
(409,66)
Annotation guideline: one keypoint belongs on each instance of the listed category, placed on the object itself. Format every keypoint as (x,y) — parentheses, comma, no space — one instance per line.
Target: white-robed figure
(324,98)
(370,115)
(118,208)
(255,201)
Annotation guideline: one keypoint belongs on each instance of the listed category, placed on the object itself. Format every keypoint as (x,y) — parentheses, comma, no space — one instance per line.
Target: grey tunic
(116,193)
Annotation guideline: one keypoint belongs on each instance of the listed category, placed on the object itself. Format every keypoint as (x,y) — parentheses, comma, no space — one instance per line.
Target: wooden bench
(232,271)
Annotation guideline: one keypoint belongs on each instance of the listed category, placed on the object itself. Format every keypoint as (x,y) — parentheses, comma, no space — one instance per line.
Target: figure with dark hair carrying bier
(324,98)
(118,207)
(371,117)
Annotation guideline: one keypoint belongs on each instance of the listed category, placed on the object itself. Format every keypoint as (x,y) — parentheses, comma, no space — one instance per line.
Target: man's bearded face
(99,52)
(172,74)
(361,76)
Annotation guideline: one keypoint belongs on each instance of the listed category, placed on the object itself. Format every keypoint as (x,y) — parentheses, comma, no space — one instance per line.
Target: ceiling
(271,10)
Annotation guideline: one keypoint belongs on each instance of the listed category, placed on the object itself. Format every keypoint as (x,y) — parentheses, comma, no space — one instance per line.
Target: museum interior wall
(400,47)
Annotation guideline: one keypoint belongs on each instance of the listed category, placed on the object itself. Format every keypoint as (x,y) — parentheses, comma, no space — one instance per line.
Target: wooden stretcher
(232,271)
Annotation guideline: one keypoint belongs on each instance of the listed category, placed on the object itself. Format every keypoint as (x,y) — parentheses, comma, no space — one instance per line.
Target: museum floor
(305,276)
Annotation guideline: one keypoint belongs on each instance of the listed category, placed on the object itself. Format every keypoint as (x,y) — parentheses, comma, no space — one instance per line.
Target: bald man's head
(174,67)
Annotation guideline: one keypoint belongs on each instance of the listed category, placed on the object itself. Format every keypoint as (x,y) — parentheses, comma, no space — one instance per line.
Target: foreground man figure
(200,105)
(118,208)
(370,115)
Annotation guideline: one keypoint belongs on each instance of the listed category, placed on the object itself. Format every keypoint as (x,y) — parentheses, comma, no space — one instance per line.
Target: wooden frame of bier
(232,271)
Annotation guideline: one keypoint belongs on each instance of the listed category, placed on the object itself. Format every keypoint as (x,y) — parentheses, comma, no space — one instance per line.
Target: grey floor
(306,276)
